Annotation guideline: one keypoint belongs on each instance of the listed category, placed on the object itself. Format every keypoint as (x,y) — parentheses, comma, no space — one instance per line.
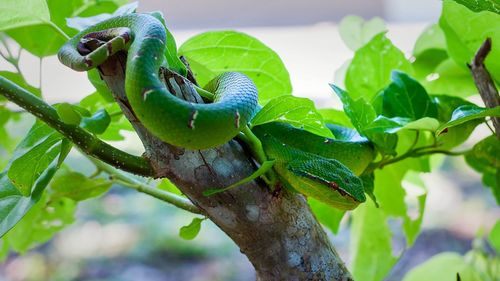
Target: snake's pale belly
(173,120)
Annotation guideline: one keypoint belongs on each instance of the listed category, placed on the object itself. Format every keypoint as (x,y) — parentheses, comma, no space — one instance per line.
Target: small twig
(484,83)
(131,182)
(440,151)
(413,152)
(386,161)
(40,74)
(488,125)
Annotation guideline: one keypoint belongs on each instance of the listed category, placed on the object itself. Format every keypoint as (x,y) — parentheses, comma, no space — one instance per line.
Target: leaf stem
(58,29)
(14,61)
(385,162)
(131,182)
(84,140)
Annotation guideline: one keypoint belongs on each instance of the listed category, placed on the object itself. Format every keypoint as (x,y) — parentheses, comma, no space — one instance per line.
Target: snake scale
(325,169)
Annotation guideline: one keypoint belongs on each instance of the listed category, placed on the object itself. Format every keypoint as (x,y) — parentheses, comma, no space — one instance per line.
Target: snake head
(327,180)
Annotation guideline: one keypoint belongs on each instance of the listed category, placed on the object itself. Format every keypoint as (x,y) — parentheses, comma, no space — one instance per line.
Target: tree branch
(84,140)
(484,83)
(276,231)
(133,183)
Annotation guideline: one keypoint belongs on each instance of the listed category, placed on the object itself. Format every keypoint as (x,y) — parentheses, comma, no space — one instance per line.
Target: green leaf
(371,67)
(481,5)
(101,87)
(39,148)
(97,123)
(466,30)
(67,114)
(80,23)
(300,112)
(100,7)
(77,186)
(431,39)
(94,103)
(425,124)
(485,158)
(344,133)
(393,125)
(356,32)
(494,236)
(425,66)
(369,186)
(454,135)
(359,111)
(370,248)
(51,38)
(387,125)
(47,32)
(451,79)
(362,115)
(212,53)
(405,97)
(326,214)
(429,51)
(50,32)
(13,205)
(190,231)
(114,131)
(19,13)
(6,140)
(468,112)
(418,193)
(335,116)
(167,185)
(443,267)
(389,190)
(59,13)
(46,218)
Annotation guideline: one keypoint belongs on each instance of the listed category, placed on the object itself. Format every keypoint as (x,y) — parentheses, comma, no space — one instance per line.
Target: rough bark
(275,230)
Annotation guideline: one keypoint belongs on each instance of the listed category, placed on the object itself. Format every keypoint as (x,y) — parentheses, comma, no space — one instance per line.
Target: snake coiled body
(173,120)
(323,168)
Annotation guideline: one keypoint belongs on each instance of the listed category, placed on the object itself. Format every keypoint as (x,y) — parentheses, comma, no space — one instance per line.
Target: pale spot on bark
(294,259)
(223,167)
(253,212)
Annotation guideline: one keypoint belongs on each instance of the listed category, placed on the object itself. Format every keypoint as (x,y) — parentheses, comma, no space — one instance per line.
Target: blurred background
(129,236)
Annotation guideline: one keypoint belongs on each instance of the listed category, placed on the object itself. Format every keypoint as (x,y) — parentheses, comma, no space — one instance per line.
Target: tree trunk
(275,230)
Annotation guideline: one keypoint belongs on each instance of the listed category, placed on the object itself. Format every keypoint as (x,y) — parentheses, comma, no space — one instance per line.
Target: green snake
(325,169)
(173,120)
